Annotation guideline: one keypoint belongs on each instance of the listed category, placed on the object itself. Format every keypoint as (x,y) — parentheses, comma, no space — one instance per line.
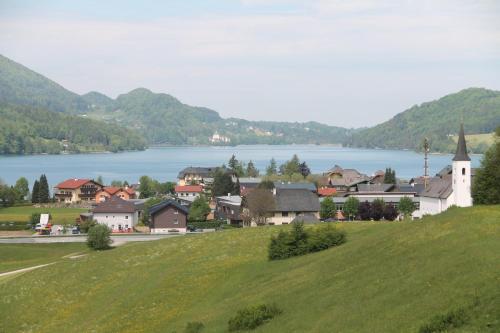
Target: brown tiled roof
(115,205)
(73,183)
(326,191)
(189,188)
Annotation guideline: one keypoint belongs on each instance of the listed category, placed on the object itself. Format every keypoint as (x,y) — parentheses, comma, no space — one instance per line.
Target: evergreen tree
(328,208)
(304,169)
(99,180)
(44,193)
(233,163)
(486,187)
(390,176)
(272,169)
(35,193)
(223,183)
(251,170)
(236,189)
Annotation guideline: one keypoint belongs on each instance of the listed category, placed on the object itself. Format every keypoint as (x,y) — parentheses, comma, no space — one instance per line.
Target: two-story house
(77,190)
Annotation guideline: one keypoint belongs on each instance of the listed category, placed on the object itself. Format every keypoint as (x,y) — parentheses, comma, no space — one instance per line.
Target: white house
(118,214)
(454,189)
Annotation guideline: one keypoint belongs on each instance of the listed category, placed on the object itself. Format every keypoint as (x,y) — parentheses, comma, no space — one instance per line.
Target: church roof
(461,154)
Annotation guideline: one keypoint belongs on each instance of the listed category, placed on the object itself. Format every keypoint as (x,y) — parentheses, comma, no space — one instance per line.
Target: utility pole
(426,161)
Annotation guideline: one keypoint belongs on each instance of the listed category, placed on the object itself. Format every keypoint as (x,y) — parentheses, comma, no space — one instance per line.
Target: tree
(165,188)
(390,212)
(266,184)
(304,170)
(390,176)
(146,187)
(86,225)
(99,237)
(272,169)
(377,209)
(237,187)
(290,167)
(115,183)
(35,193)
(328,208)
(223,183)
(486,186)
(43,194)
(147,206)
(251,170)
(34,220)
(22,188)
(257,206)
(233,163)
(199,210)
(406,206)
(100,181)
(365,211)
(8,195)
(351,207)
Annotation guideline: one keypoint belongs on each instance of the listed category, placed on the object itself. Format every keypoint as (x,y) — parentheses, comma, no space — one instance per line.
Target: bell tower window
(463,171)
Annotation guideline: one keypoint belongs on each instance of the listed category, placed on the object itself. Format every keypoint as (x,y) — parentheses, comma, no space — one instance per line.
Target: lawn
(388,277)
(23,214)
(17,256)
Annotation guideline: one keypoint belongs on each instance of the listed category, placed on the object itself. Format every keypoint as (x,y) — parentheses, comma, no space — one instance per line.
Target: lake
(164,163)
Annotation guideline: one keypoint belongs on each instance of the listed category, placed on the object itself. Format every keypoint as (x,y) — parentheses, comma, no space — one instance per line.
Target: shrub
(390,213)
(443,323)
(205,225)
(99,237)
(365,211)
(377,209)
(252,317)
(34,219)
(86,225)
(299,241)
(194,327)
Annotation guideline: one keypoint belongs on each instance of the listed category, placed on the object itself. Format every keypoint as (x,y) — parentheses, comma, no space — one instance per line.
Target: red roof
(327,191)
(189,188)
(73,183)
(112,190)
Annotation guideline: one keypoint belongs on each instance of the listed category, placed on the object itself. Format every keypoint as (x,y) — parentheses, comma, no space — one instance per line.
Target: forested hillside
(438,120)
(28,130)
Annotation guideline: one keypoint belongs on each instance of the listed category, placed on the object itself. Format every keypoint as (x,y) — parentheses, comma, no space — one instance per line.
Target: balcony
(63,195)
(87,195)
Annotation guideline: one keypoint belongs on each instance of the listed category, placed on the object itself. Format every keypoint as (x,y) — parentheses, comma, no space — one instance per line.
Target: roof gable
(167,203)
(74,183)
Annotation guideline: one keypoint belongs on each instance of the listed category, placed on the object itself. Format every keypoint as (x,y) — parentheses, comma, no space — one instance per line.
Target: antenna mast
(426,161)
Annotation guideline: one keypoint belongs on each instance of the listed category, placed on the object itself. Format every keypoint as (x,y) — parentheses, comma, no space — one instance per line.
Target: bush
(443,323)
(390,213)
(99,237)
(364,211)
(86,225)
(299,241)
(252,317)
(377,209)
(34,219)
(194,327)
(205,225)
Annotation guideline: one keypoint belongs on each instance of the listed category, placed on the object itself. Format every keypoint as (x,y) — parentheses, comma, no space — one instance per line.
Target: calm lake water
(164,163)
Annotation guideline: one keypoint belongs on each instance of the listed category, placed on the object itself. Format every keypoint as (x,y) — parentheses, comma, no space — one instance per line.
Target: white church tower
(461,173)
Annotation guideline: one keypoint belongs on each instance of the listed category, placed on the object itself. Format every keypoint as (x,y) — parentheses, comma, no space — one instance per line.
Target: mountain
(22,86)
(29,130)
(438,120)
(165,120)
(387,277)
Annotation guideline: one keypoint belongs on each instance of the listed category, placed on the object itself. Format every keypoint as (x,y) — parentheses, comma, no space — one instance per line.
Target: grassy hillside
(23,214)
(17,256)
(388,277)
(438,120)
(22,86)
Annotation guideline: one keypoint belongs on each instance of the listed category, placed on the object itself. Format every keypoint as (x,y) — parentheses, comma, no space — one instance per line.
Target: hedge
(206,225)
(14,226)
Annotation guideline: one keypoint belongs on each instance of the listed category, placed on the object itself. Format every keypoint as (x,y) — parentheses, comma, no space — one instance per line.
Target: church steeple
(461,154)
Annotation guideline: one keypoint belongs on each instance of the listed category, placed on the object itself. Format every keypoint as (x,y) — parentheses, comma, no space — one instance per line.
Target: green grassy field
(475,141)
(16,256)
(388,277)
(23,213)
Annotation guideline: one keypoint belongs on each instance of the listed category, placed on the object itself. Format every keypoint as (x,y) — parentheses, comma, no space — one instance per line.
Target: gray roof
(295,186)
(461,154)
(250,180)
(375,187)
(296,200)
(306,218)
(115,205)
(158,207)
(439,189)
(202,171)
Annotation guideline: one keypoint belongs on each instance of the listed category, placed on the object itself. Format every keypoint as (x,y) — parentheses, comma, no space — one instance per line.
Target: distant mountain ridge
(160,118)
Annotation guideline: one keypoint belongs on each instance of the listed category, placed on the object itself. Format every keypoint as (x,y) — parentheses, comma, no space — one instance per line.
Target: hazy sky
(348,63)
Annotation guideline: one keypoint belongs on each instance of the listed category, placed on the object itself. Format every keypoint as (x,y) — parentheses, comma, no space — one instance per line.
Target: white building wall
(461,184)
(115,220)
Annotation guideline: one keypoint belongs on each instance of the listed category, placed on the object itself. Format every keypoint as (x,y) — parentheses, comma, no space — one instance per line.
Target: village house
(247,184)
(188,192)
(77,190)
(118,214)
(168,216)
(345,180)
(296,204)
(195,175)
(228,208)
(107,192)
(453,186)
(279,185)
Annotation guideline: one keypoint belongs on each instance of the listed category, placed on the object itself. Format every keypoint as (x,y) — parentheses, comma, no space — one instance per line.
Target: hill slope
(29,130)
(20,85)
(438,120)
(388,277)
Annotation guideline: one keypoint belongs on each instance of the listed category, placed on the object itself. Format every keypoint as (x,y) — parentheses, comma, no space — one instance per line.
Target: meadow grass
(17,256)
(387,277)
(23,214)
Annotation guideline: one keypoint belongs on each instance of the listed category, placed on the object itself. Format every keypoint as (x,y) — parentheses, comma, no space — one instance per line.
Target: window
(463,171)
(176,221)
(176,212)
(284,214)
(126,217)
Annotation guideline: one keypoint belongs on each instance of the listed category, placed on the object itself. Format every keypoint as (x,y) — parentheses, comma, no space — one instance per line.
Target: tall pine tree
(35,193)
(44,193)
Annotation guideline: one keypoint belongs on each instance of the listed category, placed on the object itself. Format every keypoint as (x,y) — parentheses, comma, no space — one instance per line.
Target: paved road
(117,240)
